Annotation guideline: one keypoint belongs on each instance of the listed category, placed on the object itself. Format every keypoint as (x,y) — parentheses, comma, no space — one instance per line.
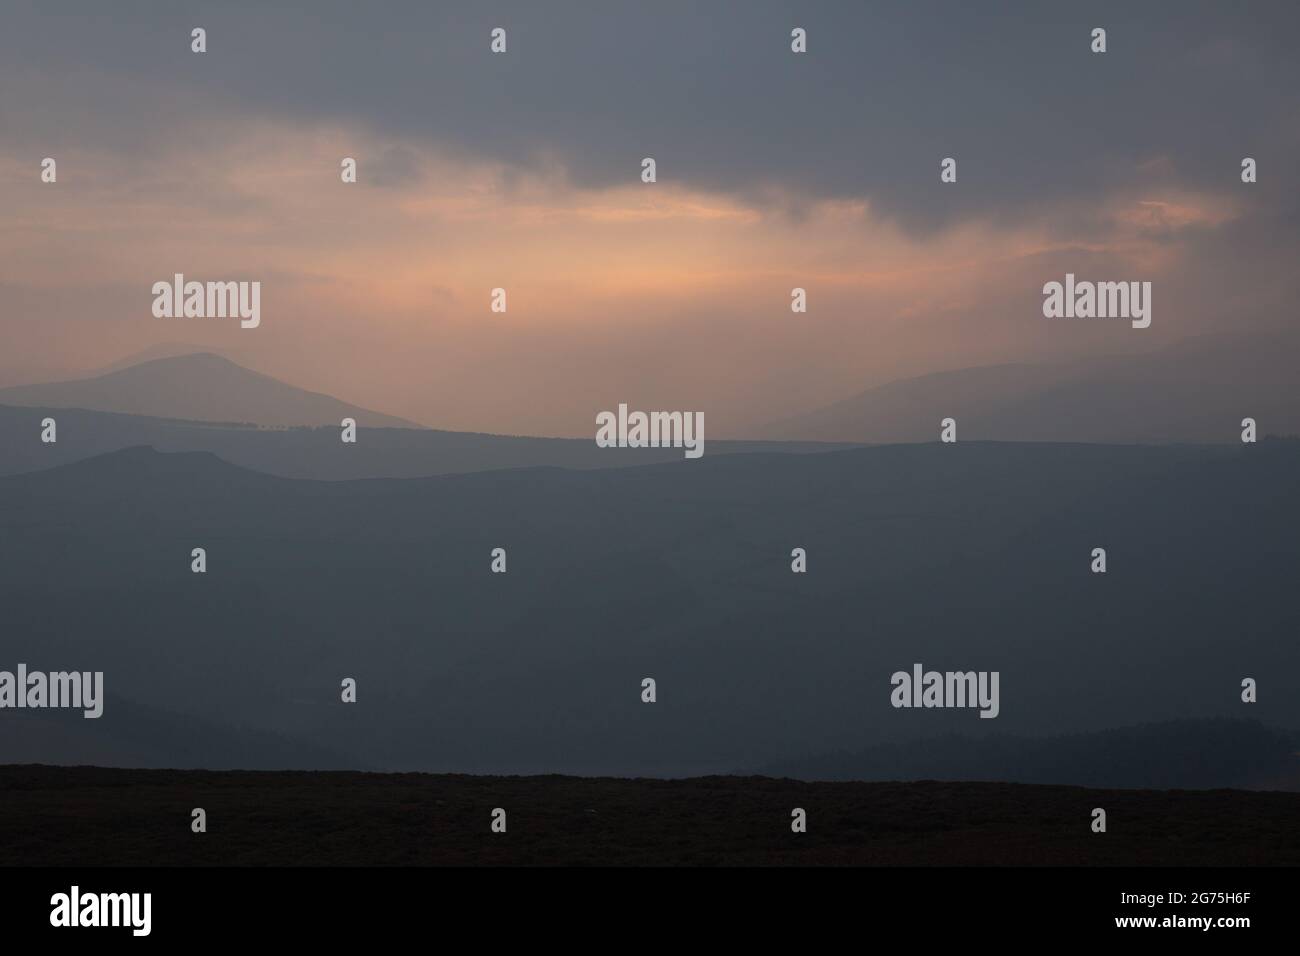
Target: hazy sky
(522,170)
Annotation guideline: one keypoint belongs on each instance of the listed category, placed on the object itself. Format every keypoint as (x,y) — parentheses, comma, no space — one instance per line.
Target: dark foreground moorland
(95,816)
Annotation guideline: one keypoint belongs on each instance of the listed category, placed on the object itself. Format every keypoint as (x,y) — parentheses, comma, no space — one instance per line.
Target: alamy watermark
(946,689)
(60,689)
(74,908)
(1098,300)
(208,300)
(651,430)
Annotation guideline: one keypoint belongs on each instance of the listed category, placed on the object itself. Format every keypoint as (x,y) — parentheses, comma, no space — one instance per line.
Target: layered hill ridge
(316,452)
(972,556)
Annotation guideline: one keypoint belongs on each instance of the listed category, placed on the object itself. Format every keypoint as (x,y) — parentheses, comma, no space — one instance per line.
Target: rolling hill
(967,556)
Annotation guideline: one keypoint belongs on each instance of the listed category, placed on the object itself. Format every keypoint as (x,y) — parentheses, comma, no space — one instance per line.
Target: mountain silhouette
(161,350)
(1197,390)
(198,387)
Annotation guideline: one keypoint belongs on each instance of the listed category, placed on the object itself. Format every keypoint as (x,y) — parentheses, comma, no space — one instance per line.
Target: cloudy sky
(522,171)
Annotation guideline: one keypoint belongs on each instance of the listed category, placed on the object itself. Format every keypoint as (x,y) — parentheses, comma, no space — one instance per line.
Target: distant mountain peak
(198,386)
(1196,389)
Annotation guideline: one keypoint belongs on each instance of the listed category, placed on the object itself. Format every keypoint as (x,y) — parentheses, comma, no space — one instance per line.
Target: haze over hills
(198,387)
(972,556)
(302,440)
(1197,390)
(318,452)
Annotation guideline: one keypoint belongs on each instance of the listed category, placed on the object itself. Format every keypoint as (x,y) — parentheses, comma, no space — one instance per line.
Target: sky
(522,171)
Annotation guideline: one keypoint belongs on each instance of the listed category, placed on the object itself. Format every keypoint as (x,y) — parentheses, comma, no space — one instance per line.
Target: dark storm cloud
(709,89)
